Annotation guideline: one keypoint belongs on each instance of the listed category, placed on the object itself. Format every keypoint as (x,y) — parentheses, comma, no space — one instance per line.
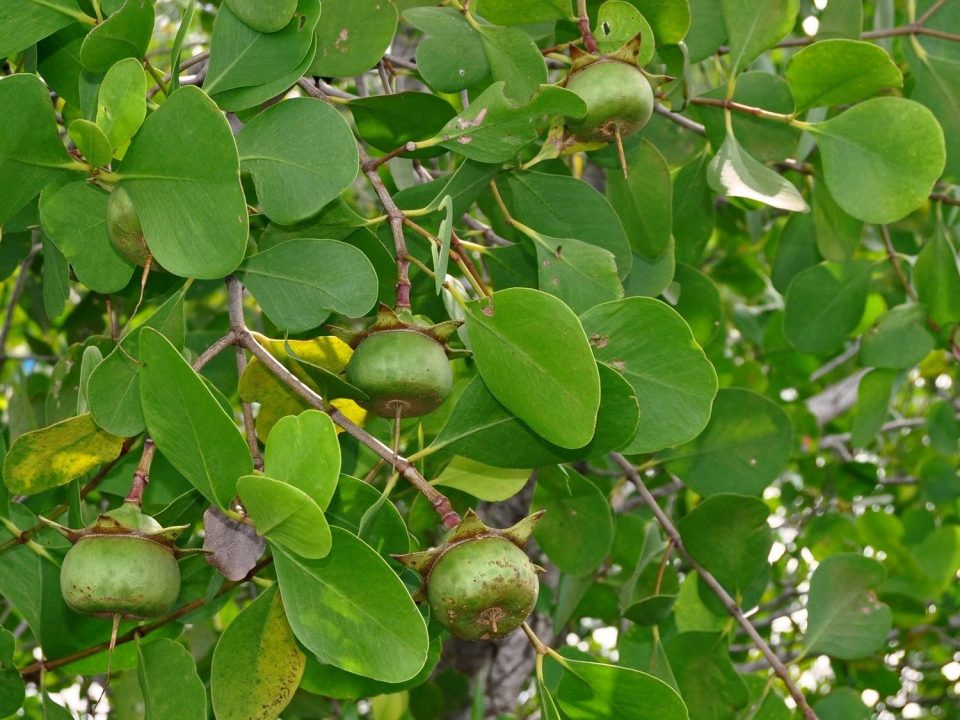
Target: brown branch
(681,120)
(249,425)
(583,22)
(728,602)
(18,288)
(395,216)
(214,350)
(439,501)
(141,476)
(31,672)
(374,163)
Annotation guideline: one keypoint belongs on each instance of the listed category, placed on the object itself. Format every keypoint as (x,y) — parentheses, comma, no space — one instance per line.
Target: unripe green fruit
(123,227)
(618,97)
(482,588)
(120,574)
(401,369)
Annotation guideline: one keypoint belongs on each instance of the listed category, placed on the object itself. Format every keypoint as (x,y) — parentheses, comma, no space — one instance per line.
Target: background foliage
(727,375)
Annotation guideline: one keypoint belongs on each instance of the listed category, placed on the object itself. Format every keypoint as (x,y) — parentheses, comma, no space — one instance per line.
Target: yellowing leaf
(55,455)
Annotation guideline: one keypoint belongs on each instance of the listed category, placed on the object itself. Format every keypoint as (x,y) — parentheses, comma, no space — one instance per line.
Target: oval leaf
(653,348)
(303,451)
(589,691)
(285,515)
(745,446)
(532,353)
(169,681)
(881,157)
(352,610)
(257,664)
(299,282)
(187,423)
(836,72)
(55,455)
(183,176)
(295,180)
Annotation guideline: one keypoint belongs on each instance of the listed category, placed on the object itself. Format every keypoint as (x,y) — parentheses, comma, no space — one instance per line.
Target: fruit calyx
(616,91)
(401,363)
(123,565)
(479,583)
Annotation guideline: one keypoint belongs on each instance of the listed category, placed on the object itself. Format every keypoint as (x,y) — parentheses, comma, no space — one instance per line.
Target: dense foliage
(682,274)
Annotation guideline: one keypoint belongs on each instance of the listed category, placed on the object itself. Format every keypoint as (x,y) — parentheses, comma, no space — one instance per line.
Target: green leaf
(183,176)
(529,347)
(241,57)
(838,234)
(697,298)
(31,154)
(493,128)
(352,611)
(565,207)
(301,281)
(121,103)
(303,451)
(708,681)
(169,681)
(295,180)
(824,305)
(576,532)
(264,17)
(353,36)
(618,22)
(384,530)
(670,19)
(452,56)
(735,173)
(937,86)
(257,664)
(754,26)
(510,12)
(74,217)
(881,157)
(387,122)
(874,394)
(24,22)
(485,482)
(843,703)
(899,340)
(937,279)
(285,515)
(56,279)
(481,429)
(844,618)
(580,274)
(55,455)
(837,72)
(125,34)
(113,389)
(515,59)
(729,536)
(91,142)
(12,691)
(644,200)
(187,423)
(745,446)
(590,691)
(653,348)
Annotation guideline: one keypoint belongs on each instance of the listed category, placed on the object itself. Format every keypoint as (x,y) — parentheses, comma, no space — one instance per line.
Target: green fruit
(618,97)
(400,369)
(123,227)
(482,588)
(123,574)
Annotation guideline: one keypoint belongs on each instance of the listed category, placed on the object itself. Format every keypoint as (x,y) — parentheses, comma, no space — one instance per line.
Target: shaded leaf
(233,546)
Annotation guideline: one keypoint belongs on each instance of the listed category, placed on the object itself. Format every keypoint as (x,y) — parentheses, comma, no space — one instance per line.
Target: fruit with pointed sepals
(480,584)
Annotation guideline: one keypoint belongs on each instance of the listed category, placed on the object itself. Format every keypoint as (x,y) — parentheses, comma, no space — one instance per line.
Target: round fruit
(401,369)
(482,588)
(618,97)
(121,574)
(123,227)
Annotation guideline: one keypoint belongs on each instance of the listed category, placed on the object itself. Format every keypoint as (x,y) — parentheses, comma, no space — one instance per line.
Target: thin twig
(728,602)
(214,350)
(439,501)
(31,672)
(583,21)
(249,425)
(681,120)
(18,288)
(395,217)
(141,476)
(895,263)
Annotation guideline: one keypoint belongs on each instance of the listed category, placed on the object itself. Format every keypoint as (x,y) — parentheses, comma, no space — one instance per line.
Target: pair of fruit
(479,583)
